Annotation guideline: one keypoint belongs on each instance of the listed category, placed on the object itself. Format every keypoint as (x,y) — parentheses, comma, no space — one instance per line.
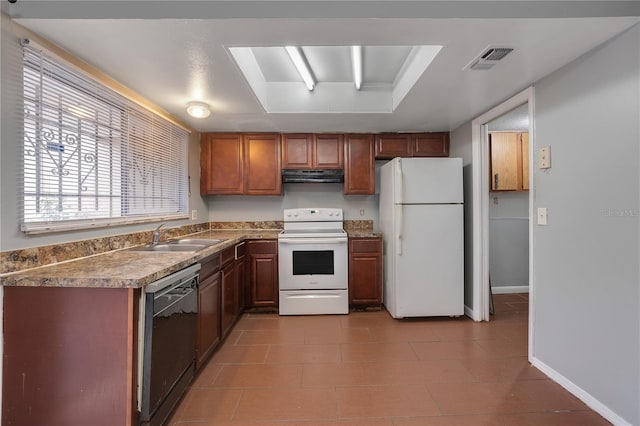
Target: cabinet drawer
(227,255)
(210,264)
(240,250)
(369,245)
(263,247)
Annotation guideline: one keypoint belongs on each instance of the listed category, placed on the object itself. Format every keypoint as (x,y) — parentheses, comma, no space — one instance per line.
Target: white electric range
(313,263)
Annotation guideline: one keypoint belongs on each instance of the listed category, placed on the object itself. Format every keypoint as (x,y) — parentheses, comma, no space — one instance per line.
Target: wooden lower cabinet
(209,334)
(240,265)
(365,272)
(70,356)
(262,274)
(208,318)
(228,274)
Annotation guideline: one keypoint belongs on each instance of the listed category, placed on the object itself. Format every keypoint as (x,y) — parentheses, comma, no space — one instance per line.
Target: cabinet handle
(495,181)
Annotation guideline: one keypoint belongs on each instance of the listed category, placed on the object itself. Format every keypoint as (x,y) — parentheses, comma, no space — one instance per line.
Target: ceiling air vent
(488,58)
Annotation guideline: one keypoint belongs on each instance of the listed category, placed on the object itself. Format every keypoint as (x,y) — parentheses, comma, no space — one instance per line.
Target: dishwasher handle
(189,290)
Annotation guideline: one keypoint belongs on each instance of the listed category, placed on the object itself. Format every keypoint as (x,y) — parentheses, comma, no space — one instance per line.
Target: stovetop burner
(313,223)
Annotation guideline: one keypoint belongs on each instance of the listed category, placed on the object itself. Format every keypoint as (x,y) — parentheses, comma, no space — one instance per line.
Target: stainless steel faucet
(156,234)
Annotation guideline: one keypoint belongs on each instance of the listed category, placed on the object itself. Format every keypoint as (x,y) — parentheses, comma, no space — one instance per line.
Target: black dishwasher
(171,318)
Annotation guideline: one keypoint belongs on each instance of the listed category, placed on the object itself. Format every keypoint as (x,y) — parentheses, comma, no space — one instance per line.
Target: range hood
(314,176)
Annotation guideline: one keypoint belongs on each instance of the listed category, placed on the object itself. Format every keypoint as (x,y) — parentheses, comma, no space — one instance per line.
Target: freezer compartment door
(429,274)
(428,181)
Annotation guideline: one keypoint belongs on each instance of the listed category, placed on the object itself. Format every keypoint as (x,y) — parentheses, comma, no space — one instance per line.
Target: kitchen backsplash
(18,260)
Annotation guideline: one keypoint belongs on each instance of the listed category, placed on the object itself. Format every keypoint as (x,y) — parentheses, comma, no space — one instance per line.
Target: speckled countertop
(364,233)
(127,268)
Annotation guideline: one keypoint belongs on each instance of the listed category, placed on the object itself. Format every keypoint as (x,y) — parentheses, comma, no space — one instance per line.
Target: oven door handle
(312,240)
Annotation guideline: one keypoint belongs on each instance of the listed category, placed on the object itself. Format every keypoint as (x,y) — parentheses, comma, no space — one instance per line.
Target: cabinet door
(328,151)
(221,164)
(262,276)
(524,138)
(359,173)
(297,151)
(239,288)
(393,145)
(208,317)
(262,164)
(228,297)
(505,157)
(365,272)
(431,144)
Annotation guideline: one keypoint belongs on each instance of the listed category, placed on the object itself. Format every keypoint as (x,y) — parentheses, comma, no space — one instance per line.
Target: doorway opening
(508,139)
(482,200)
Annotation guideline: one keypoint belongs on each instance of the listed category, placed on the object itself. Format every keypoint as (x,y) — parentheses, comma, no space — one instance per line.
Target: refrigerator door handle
(399,183)
(398,230)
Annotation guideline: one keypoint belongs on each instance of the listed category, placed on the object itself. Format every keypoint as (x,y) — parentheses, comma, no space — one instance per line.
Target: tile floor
(367,369)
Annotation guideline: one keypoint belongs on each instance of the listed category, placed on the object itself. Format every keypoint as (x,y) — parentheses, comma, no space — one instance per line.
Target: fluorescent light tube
(356,64)
(296,55)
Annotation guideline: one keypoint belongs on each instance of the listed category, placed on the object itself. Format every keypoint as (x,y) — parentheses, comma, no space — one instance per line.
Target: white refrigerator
(421,217)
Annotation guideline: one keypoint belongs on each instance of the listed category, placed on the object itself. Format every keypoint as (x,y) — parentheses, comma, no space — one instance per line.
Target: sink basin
(198,241)
(186,244)
(169,247)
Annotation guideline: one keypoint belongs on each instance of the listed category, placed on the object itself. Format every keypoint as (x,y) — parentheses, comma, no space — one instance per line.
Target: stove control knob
(295,215)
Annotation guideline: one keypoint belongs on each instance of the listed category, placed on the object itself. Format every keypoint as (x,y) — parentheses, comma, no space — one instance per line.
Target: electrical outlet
(194,214)
(542,215)
(361,212)
(544,157)
(495,200)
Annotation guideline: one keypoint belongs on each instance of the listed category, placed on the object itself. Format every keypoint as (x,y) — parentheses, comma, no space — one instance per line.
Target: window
(91,157)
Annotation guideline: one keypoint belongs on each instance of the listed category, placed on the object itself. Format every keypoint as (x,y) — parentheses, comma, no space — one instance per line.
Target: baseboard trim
(469,312)
(580,393)
(510,289)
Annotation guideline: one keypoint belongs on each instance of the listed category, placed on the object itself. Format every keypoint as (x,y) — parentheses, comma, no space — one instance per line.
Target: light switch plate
(194,214)
(542,215)
(544,157)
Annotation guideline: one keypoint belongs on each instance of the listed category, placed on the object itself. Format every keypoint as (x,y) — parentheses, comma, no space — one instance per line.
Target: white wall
(586,260)
(461,140)
(509,240)
(10,235)
(249,208)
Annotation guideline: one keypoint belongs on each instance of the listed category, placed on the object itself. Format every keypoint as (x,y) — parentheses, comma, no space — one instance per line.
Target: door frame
(480,161)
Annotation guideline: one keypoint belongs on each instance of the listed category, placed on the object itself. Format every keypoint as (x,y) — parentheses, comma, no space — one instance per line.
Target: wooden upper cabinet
(392,145)
(431,144)
(237,164)
(297,151)
(312,151)
(221,163)
(329,151)
(262,164)
(524,139)
(359,170)
(507,157)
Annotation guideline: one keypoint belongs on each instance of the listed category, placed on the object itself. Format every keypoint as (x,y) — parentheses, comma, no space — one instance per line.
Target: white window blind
(91,157)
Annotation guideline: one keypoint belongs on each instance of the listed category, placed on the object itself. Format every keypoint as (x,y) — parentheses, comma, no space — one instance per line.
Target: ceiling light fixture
(296,55)
(198,109)
(356,64)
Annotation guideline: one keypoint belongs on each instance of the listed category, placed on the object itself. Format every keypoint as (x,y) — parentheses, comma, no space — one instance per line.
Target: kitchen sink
(198,241)
(186,244)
